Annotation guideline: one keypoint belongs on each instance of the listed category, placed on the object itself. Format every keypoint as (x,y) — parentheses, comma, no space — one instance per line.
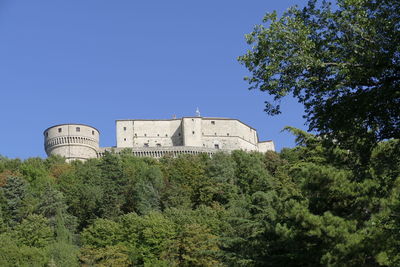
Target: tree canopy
(341,61)
(306,206)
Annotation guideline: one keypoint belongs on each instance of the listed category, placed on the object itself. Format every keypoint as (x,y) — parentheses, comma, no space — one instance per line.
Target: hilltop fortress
(155,138)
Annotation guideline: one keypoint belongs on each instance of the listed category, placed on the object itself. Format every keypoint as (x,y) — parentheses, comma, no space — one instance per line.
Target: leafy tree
(385,165)
(12,255)
(34,231)
(326,188)
(237,251)
(388,219)
(83,191)
(15,205)
(220,180)
(144,185)
(11,164)
(63,252)
(106,256)
(3,225)
(185,178)
(55,161)
(193,246)
(213,218)
(52,204)
(112,182)
(147,236)
(341,63)
(251,175)
(102,233)
(35,171)
(273,161)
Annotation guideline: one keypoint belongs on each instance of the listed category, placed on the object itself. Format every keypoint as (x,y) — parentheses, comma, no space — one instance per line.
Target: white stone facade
(156,138)
(72,141)
(216,133)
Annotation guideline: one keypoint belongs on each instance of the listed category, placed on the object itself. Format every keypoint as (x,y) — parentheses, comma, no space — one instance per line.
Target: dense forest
(333,200)
(307,206)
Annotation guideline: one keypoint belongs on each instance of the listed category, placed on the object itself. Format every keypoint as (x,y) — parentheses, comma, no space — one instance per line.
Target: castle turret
(72,141)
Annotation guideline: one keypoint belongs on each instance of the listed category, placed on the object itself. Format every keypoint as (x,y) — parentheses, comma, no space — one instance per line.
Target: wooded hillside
(306,206)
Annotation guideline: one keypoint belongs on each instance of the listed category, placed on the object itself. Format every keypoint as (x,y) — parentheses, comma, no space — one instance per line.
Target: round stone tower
(72,141)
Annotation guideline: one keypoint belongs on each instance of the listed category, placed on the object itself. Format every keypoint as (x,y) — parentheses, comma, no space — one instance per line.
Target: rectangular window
(59,130)
(124,128)
(213,122)
(158,145)
(192,132)
(216,146)
(78,129)
(92,132)
(146,144)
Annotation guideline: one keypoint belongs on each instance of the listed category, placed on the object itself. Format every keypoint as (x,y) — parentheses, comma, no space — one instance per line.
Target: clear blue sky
(96,61)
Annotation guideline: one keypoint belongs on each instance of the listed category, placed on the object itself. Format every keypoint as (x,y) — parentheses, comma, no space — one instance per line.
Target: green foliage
(15,197)
(12,255)
(63,254)
(194,245)
(105,257)
(102,233)
(341,62)
(111,181)
(144,182)
(63,251)
(326,188)
(250,172)
(34,231)
(315,204)
(153,234)
(35,172)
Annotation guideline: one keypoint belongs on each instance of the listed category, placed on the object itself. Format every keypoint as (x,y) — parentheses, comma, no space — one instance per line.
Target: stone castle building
(155,138)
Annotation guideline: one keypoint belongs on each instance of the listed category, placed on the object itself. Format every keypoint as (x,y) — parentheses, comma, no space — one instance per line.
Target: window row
(147,145)
(77,129)
(216,146)
(179,134)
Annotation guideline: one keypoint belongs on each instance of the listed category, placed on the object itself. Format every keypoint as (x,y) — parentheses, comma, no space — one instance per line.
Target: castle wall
(192,131)
(72,141)
(156,138)
(266,146)
(124,133)
(158,152)
(149,133)
(228,134)
(214,133)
